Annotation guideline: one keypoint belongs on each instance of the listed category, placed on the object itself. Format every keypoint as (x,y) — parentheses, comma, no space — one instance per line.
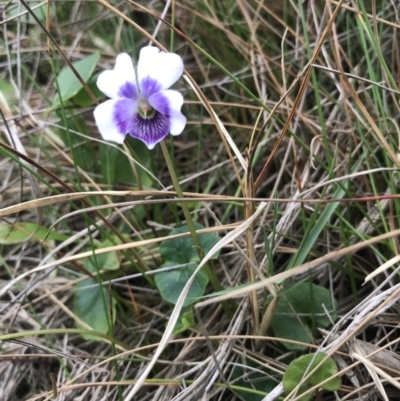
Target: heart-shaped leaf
(93,302)
(300,367)
(170,283)
(181,251)
(298,307)
(92,305)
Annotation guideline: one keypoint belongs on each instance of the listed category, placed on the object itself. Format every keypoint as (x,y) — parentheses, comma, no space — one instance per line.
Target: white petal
(110,82)
(169,103)
(104,115)
(164,68)
(178,123)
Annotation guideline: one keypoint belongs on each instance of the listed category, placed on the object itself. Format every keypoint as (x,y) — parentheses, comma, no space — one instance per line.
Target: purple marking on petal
(160,103)
(148,86)
(125,111)
(128,90)
(150,130)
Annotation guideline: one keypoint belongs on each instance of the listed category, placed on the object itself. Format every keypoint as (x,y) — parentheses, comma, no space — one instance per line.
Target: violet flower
(140,103)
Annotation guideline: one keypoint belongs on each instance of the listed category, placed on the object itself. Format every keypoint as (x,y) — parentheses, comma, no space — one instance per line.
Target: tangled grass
(290,156)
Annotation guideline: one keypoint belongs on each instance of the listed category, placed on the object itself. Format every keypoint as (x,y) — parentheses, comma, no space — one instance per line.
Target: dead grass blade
(299,269)
(179,304)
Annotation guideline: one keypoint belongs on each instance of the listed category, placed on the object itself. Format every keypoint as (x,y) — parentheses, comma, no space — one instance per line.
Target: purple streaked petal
(112,81)
(106,123)
(169,103)
(124,114)
(165,68)
(150,130)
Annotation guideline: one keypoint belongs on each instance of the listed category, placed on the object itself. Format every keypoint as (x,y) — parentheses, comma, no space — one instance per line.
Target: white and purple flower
(141,104)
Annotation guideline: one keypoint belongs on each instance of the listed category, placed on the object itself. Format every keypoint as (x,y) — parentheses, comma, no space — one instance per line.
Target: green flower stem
(211,275)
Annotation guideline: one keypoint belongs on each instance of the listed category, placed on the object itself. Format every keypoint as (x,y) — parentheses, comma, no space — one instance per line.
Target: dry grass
(290,155)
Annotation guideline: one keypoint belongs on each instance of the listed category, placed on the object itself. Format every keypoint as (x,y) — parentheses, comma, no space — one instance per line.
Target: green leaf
(298,308)
(21,232)
(318,225)
(185,320)
(182,250)
(303,365)
(143,155)
(286,325)
(40,12)
(89,307)
(170,284)
(109,159)
(83,99)
(104,261)
(92,301)
(8,91)
(178,251)
(82,148)
(251,376)
(117,168)
(69,84)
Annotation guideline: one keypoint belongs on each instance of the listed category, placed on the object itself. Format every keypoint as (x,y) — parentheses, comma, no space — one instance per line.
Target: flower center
(145,110)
